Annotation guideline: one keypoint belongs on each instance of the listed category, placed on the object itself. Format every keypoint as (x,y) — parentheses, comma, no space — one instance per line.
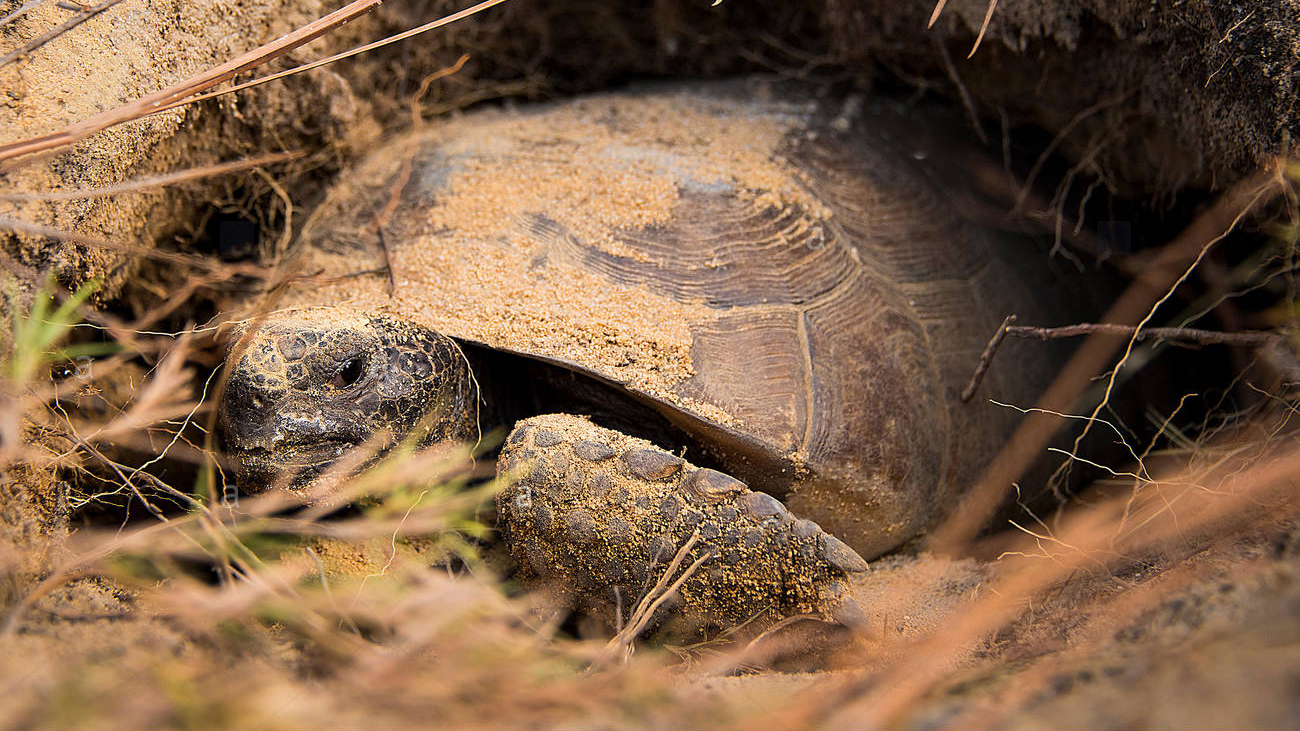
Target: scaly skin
(307,386)
(598,515)
(590,510)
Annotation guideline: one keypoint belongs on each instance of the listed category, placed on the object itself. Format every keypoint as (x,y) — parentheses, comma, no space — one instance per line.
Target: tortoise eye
(350,373)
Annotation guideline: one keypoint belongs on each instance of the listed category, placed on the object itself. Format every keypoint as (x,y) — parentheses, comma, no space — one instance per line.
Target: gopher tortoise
(705,310)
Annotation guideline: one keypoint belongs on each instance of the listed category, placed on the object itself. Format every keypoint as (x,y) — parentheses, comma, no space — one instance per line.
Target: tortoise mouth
(259,467)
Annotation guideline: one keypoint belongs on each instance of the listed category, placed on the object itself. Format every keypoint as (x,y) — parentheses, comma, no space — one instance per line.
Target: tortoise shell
(787,282)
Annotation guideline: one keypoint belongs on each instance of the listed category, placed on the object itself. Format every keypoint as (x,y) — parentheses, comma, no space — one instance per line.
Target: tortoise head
(306,386)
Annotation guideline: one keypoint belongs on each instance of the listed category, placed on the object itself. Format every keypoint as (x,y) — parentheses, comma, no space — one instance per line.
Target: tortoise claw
(845,609)
(838,554)
(603,528)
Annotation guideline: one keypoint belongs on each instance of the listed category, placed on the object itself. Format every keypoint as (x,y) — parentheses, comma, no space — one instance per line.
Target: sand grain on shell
(599,166)
(594,168)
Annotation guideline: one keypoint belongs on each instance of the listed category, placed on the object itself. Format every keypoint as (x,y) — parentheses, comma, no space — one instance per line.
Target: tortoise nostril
(350,373)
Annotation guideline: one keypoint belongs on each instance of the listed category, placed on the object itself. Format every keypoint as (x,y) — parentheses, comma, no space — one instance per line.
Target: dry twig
(986,358)
(1168,267)
(22,10)
(1249,339)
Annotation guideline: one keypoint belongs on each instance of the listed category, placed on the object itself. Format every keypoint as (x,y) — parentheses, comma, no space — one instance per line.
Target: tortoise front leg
(609,519)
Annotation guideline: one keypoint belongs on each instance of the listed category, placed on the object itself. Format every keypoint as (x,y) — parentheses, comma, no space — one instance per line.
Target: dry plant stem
(185,92)
(404,176)
(620,646)
(624,641)
(1202,337)
(151,103)
(190,262)
(22,10)
(1036,430)
(988,16)
(446,20)
(156,181)
(966,101)
(986,358)
(55,33)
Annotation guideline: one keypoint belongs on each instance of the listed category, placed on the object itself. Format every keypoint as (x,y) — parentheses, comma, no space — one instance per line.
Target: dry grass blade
(938,10)
(44,38)
(988,16)
(621,645)
(151,103)
(156,181)
(185,91)
(440,22)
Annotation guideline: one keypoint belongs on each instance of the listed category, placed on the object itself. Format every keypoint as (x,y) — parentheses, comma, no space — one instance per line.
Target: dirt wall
(1146,99)
(133,48)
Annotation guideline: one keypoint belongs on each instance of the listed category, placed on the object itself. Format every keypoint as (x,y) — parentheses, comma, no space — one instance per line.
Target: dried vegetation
(139,591)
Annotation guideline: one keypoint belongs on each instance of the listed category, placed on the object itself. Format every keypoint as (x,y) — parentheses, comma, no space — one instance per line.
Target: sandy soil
(1147,99)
